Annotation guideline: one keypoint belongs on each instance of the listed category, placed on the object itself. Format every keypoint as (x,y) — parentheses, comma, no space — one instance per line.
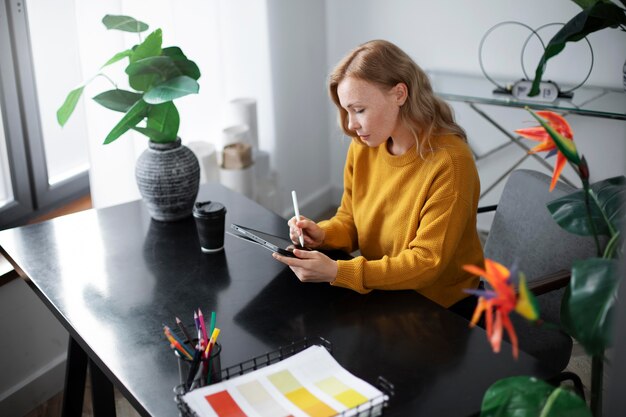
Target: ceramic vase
(168,176)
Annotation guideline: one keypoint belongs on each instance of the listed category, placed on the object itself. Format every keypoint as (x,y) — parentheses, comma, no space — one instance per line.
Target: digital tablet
(271,242)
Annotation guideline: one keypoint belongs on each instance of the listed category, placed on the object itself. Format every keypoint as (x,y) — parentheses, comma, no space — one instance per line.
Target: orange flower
(543,135)
(497,303)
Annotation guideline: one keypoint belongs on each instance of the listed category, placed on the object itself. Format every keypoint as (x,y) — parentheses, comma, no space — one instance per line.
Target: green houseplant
(167,173)
(596,15)
(596,210)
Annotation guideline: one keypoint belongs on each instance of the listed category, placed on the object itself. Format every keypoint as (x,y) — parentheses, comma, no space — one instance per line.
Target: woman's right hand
(312,233)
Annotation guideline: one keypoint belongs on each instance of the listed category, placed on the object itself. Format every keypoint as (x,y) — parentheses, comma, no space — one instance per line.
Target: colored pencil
(196,321)
(203,327)
(184,330)
(178,347)
(194,368)
(178,350)
(212,323)
(214,335)
(172,338)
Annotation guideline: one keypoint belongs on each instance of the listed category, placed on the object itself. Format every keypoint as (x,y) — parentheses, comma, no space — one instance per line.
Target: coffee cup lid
(208,209)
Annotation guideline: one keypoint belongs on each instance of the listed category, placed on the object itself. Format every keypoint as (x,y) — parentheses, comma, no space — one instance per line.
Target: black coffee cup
(210,217)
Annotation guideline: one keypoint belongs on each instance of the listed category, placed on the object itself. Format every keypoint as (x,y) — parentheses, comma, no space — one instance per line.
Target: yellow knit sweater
(413,219)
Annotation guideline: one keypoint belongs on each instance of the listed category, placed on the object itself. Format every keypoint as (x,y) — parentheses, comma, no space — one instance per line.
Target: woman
(410,186)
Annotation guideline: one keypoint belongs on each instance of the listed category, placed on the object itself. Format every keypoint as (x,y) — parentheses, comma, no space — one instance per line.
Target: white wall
(33,349)
(298,62)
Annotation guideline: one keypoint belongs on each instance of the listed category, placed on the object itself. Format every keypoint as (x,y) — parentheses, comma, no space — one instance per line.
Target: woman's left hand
(310,266)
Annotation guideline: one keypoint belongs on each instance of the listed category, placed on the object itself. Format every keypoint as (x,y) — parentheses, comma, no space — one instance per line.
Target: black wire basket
(370,408)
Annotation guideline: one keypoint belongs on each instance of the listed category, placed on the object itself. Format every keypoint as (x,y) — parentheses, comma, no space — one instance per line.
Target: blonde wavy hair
(384,64)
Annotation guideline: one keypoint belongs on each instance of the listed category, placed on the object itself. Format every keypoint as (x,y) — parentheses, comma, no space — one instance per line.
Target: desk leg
(102,394)
(75,373)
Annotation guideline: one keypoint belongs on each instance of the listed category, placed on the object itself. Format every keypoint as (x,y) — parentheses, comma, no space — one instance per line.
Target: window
(6,191)
(40,166)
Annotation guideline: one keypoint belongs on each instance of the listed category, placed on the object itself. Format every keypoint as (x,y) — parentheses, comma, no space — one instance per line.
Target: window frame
(32,192)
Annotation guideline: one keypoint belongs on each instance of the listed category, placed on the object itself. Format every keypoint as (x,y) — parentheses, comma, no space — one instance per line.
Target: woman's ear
(401,92)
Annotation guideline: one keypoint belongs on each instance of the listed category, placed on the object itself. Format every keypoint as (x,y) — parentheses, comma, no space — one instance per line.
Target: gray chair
(524,234)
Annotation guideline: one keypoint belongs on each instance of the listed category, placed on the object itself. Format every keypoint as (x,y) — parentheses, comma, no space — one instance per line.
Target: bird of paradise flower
(556,137)
(499,301)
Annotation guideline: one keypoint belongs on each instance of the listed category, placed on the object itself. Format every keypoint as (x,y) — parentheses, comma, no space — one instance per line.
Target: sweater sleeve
(341,232)
(419,265)
(443,220)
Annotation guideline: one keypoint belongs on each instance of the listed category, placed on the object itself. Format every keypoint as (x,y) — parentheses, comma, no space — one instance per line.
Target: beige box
(237,156)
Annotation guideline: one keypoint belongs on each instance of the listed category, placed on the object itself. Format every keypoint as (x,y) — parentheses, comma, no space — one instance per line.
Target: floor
(579,362)
(52,407)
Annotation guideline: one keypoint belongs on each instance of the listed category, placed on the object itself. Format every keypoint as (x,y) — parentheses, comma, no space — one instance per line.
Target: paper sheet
(310,383)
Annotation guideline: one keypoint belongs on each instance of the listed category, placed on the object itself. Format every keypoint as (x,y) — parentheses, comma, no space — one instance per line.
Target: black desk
(113,276)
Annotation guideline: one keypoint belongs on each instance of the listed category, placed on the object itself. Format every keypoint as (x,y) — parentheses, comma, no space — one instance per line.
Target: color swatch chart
(310,383)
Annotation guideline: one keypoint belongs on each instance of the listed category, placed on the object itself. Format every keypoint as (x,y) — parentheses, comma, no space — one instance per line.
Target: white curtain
(228,40)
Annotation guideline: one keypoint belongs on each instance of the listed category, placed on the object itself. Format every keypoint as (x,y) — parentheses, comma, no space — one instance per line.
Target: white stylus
(294,197)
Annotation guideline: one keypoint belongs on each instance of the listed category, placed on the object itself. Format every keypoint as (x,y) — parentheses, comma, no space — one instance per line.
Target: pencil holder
(208,371)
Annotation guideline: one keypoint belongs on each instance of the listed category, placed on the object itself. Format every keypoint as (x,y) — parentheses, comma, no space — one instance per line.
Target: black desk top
(113,277)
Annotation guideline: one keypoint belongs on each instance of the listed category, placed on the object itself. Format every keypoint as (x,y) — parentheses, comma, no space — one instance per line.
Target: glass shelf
(586,101)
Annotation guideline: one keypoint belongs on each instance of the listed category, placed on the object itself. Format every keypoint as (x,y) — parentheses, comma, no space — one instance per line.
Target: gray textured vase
(168,176)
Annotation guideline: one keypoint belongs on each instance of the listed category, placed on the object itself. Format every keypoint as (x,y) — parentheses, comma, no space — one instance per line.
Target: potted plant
(167,173)
(596,15)
(596,210)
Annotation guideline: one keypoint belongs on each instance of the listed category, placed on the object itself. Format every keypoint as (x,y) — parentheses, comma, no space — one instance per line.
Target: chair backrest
(524,233)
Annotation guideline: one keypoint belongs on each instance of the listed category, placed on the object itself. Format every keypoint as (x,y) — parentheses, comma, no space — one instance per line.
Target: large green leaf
(185,66)
(164,118)
(162,66)
(611,196)
(188,68)
(570,212)
(174,52)
(135,114)
(524,396)
(588,304)
(67,108)
(586,3)
(124,23)
(166,67)
(150,47)
(117,57)
(600,15)
(171,90)
(117,100)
